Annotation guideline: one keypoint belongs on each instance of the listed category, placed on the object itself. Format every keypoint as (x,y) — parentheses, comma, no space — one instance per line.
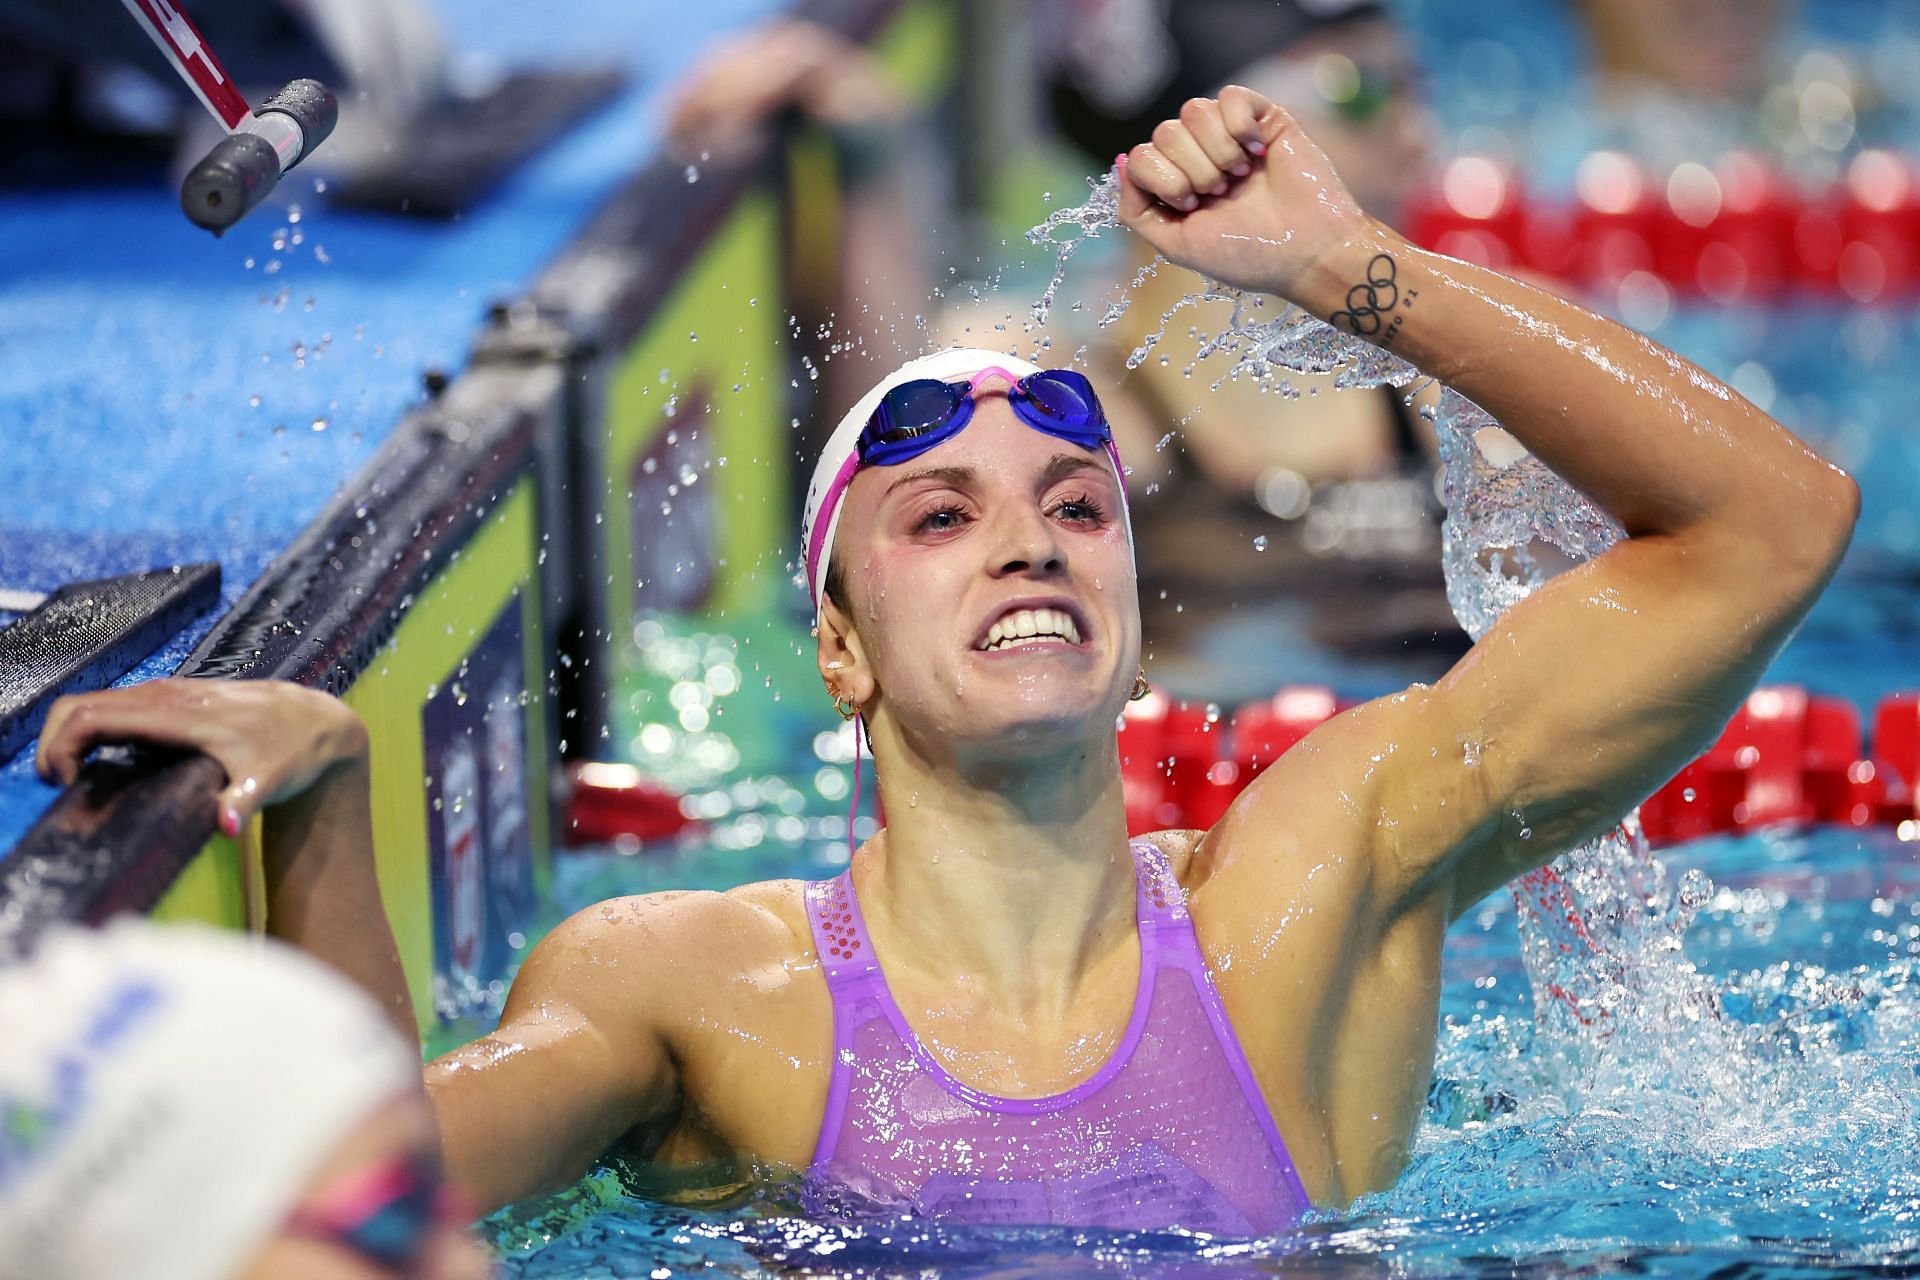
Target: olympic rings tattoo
(1368,301)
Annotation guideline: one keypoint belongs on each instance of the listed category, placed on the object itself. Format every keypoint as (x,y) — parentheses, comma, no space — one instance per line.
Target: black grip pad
(86,635)
(236,175)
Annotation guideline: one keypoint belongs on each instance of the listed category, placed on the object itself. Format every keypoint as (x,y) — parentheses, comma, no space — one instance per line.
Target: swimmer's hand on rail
(274,739)
(1234,190)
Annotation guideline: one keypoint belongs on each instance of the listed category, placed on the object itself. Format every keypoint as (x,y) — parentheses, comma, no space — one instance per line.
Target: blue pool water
(1767,1132)
(1647,1158)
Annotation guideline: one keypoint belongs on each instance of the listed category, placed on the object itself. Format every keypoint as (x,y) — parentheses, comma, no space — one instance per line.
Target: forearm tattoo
(1370,303)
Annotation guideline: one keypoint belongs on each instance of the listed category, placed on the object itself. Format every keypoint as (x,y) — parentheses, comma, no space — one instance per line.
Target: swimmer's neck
(1015,875)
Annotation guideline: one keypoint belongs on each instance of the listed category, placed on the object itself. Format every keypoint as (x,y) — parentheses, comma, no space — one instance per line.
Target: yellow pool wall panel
(717,333)
(491,571)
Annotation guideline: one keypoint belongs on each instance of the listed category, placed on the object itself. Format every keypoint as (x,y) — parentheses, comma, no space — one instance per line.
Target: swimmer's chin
(1023,733)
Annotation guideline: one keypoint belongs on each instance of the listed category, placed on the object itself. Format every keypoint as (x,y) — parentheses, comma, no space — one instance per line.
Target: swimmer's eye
(940,520)
(1081,510)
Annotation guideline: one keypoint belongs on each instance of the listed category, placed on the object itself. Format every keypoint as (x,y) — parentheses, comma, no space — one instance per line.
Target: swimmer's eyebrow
(958,477)
(1062,465)
(1059,466)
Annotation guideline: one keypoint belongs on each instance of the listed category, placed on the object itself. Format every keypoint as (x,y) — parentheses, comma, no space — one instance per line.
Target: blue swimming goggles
(917,415)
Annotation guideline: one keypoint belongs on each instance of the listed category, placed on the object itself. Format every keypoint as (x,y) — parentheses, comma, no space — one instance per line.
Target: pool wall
(462,592)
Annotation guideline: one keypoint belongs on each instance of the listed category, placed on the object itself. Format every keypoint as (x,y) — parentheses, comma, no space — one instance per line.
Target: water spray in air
(1617,1003)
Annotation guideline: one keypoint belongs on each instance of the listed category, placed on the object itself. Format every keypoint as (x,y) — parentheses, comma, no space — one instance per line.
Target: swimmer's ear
(842,658)
(831,649)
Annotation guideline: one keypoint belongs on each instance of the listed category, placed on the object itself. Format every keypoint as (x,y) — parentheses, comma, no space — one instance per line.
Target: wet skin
(693,1027)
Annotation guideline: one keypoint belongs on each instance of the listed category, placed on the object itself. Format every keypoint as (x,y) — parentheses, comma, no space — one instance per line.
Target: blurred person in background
(1710,50)
(181,1103)
(863,267)
(1327,491)
(1678,80)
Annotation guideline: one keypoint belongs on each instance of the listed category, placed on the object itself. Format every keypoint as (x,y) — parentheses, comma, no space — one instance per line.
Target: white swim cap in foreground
(166,1092)
(944,366)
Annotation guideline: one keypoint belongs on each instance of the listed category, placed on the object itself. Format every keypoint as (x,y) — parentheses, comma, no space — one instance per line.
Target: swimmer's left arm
(1598,686)
(298,759)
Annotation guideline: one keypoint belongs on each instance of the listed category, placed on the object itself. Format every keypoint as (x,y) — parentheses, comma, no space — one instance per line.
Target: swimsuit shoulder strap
(1161,900)
(1167,937)
(839,933)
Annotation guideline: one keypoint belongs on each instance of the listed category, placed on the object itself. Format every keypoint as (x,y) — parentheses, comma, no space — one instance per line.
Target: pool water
(1772,1135)
(1762,1122)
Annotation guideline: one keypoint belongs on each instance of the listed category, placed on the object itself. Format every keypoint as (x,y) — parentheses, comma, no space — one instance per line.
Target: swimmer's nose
(1027,544)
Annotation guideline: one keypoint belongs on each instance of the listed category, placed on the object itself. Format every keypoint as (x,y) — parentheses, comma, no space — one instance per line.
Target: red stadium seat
(1896,737)
(1264,731)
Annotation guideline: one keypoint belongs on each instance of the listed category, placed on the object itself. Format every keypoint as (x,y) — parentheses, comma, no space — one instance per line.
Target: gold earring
(1140,687)
(847,707)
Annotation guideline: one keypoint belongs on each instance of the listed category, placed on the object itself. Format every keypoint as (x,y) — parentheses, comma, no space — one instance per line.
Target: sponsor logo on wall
(474,733)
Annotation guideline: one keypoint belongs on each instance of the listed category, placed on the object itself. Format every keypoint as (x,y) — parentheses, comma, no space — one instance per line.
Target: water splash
(1622,1017)
(1257,342)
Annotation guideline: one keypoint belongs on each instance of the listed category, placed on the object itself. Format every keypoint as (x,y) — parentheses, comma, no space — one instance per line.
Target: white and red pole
(180,40)
(260,145)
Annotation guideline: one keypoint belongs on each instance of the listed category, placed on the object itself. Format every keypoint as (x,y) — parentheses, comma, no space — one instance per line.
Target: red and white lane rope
(180,40)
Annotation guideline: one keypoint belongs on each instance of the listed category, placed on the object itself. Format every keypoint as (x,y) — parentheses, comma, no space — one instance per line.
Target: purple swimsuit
(1170,1131)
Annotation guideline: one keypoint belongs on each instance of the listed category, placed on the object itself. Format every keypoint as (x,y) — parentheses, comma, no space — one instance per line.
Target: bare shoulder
(1300,842)
(657,951)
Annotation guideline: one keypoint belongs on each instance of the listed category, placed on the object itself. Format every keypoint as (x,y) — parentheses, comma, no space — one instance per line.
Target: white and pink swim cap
(832,473)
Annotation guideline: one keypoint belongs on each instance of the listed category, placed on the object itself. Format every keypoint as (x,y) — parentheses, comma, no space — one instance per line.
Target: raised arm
(1597,687)
(576,1062)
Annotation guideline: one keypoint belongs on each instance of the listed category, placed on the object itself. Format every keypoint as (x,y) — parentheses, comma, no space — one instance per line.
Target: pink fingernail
(230,821)
(1258,148)
(1189,203)
(1242,170)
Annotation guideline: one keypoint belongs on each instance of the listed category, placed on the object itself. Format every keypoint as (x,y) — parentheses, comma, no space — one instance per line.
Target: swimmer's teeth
(1044,624)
